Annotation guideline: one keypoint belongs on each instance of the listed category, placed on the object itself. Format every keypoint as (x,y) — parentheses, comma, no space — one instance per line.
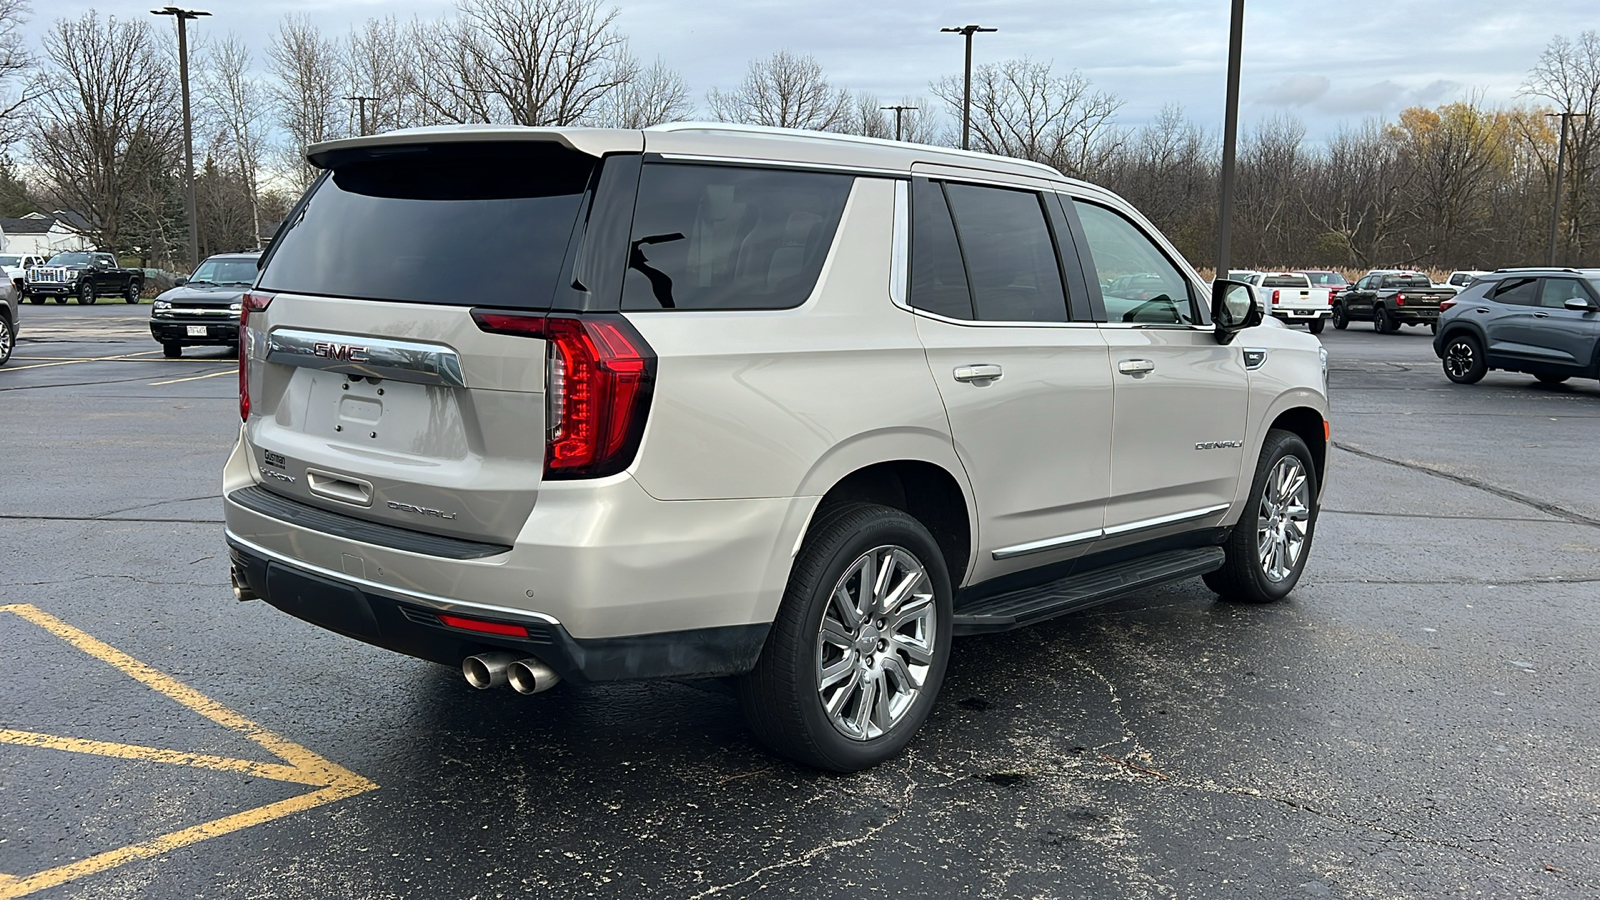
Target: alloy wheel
(876,642)
(1282,518)
(1459,359)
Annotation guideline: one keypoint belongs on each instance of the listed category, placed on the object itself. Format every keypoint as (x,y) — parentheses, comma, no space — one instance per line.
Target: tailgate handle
(339,487)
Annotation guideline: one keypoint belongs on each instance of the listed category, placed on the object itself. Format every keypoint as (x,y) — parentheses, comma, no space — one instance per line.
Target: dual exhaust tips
(525,674)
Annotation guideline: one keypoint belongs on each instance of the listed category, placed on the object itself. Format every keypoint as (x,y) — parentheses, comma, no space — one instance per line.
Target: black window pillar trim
(597,254)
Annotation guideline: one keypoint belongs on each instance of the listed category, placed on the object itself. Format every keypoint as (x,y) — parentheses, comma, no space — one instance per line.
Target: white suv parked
(705,400)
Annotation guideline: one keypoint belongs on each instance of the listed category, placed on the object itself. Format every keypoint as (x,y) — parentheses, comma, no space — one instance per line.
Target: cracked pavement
(1418,719)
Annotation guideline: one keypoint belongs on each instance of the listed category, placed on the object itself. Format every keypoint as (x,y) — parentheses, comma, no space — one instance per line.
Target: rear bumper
(1413,316)
(627,586)
(411,625)
(1301,315)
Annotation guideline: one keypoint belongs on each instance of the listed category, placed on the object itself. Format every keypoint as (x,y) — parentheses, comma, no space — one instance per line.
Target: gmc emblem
(345,352)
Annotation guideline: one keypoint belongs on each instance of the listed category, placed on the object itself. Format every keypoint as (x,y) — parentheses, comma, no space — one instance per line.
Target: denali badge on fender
(1218,445)
(421,510)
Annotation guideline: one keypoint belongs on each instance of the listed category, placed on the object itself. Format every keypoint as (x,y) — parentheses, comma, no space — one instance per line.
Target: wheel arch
(1308,424)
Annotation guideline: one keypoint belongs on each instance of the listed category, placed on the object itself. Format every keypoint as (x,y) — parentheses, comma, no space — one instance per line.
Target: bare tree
(308,70)
(655,95)
(1168,169)
(527,62)
(375,57)
(1271,176)
(1021,108)
(106,137)
(16,62)
(1568,75)
(785,90)
(234,108)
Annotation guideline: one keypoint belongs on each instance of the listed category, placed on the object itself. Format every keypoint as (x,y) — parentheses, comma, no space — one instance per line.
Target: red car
(1324,278)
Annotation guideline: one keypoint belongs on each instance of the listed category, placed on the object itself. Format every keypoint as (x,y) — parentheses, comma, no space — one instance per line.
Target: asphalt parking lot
(1418,719)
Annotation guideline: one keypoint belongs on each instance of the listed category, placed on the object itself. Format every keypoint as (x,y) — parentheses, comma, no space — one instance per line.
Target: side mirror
(180,281)
(1233,308)
(1580,304)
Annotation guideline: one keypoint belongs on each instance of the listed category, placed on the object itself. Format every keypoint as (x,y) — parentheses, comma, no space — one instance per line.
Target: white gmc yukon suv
(704,400)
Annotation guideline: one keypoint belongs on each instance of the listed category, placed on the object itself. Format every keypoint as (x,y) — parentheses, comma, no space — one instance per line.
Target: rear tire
(1381,323)
(171,350)
(811,697)
(8,339)
(1314,326)
(1552,379)
(1464,362)
(1341,320)
(1268,548)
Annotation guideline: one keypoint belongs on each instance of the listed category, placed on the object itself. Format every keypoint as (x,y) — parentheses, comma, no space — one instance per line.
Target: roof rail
(805,134)
(1540,269)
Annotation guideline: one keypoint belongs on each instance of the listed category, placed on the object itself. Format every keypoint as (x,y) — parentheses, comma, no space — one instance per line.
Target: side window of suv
(727,237)
(1010,256)
(938,279)
(1557,291)
(1516,291)
(1139,283)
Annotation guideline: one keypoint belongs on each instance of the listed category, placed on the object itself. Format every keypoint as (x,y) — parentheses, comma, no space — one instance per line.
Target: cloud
(1297,90)
(1373,99)
(1436,92)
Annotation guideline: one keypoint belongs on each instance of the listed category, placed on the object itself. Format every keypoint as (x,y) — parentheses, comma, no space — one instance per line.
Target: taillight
(1399,299)
(252,302)
(1446,304)
(599,373)
(1274,296)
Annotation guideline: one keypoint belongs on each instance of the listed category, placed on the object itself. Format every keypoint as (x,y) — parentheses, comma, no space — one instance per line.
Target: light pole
(1230,137)
(183,16)
(897,111)
(1561,160)
(362,102)
(966,91)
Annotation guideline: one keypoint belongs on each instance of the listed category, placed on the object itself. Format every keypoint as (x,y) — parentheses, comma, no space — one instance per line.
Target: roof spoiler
(589,141)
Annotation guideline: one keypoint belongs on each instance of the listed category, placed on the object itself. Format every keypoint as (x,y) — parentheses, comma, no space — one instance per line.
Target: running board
(1013,609)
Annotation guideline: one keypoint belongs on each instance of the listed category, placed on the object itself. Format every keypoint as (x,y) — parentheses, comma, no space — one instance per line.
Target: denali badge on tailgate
(421,510)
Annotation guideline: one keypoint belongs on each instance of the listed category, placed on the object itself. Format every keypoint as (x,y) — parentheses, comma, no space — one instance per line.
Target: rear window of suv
(458,224)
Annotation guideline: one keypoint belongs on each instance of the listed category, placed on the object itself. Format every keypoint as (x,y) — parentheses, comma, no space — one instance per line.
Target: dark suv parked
(204,309)
(1543,322)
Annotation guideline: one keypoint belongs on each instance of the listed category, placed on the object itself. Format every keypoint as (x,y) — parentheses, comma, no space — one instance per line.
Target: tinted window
(719,237)
(1283,281)
(454,224)
(938,279)
(70,259)
(1557,291)
(1407,281)
(1137,280)
(1327,279)
(1011,260)
(1516,291)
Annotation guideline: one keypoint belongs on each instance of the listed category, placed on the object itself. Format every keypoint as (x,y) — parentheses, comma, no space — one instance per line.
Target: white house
(42,234)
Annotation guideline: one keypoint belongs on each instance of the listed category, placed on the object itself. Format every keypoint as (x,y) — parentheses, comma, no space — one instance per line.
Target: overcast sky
(1327,63)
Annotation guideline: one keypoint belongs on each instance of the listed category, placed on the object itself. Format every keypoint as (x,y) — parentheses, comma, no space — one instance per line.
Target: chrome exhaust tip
(241,587)
(531,675)
(487,670)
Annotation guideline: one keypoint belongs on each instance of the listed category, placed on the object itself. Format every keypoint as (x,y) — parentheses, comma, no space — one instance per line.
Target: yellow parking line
(122,356)
(194,377)
(335,782)
(275,771)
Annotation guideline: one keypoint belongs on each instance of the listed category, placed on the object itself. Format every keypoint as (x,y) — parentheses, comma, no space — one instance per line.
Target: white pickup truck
(1291,297)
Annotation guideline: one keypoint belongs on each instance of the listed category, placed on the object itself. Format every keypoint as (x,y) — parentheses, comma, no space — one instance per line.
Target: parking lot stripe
(334,782)
(195,377)
(122,357)
(276,771)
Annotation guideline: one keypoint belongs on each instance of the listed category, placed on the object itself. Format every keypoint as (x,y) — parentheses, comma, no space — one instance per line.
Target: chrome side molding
(370,357)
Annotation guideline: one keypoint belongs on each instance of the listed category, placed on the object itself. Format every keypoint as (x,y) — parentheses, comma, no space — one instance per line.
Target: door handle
(1481,309)
(1136,367)
(979,372)
(1541,315)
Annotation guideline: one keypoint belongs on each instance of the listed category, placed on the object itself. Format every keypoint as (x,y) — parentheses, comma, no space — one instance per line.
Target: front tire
(1464,362)
(86,295)
(131,294)
(1341,320)
(856,655)
(1314,326)
(172,350)
(1268,548)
